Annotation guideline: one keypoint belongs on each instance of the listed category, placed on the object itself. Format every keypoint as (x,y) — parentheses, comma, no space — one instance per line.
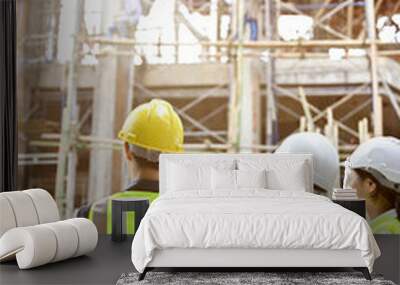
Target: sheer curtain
(8,117)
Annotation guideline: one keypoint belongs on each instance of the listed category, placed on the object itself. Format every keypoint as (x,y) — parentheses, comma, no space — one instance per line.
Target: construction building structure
(249,89)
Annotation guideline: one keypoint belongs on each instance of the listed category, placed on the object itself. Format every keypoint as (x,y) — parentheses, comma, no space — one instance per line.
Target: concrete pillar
(250,113)
(100,172)
(111,103)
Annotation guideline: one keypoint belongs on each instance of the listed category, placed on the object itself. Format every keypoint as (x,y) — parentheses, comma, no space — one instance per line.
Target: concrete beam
(320,91)
(51,76)
(306,72)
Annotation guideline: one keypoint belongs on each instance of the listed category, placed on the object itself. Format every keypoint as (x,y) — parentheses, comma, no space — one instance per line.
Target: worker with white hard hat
(150,129)
(325,158)
(375,175)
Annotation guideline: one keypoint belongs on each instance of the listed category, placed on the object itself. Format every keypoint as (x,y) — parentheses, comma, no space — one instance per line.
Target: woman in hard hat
(150,129)
(375,175)
(325,158)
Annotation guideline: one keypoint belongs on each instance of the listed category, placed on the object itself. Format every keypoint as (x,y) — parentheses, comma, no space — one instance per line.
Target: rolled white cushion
(45,205)
(33,246)
(23,208)
(7,218)
(87,234)
(37,245)
(66,238)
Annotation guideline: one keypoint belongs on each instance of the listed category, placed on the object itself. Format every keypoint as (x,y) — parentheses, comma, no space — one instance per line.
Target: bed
(247,210)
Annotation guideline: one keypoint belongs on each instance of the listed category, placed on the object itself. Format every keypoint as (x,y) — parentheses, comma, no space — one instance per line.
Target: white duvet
(250,219)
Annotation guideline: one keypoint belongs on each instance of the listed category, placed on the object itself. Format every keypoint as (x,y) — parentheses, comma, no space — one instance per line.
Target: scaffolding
(255,79)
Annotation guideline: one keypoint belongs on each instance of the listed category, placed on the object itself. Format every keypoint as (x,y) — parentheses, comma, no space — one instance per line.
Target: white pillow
(287,175)
(230,180)
(223,179)
(251,179)
(281,174)
(183,177)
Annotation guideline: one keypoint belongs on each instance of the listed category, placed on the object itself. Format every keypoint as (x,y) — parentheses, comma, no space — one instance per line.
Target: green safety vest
(104,206)
(386,223)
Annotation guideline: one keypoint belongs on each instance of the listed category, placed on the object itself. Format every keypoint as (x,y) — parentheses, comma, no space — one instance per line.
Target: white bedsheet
(250,219)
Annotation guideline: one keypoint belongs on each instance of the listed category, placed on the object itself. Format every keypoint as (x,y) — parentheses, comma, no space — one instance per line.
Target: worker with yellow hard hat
(150,129)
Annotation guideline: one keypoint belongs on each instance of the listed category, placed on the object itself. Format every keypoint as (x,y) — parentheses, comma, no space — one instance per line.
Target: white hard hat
(325,156)
(380,157)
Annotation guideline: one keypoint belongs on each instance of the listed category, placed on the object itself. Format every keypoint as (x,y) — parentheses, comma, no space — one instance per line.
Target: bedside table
(357,206)
(119,207)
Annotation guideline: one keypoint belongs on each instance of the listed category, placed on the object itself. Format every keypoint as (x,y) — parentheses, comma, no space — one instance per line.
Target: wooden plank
(349,22)
(321,11)
(335,10)
(271,113)
(306,110)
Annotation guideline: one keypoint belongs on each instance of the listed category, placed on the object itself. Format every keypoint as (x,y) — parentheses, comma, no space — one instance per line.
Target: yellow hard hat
(155,126)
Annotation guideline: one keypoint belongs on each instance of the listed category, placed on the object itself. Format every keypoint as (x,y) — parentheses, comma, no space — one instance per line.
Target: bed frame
(242,259)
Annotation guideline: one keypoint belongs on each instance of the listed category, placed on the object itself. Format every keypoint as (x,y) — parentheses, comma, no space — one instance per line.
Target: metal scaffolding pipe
(377,117)
(263,44)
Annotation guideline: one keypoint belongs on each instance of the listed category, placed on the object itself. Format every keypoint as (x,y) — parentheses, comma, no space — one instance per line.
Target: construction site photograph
(241,75)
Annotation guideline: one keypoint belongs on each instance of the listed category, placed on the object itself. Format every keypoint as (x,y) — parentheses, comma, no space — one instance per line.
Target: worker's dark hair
(142,162)
(390,195)
(151,156)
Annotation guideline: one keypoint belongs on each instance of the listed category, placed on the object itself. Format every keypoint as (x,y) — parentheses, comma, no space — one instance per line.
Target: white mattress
(253,219)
